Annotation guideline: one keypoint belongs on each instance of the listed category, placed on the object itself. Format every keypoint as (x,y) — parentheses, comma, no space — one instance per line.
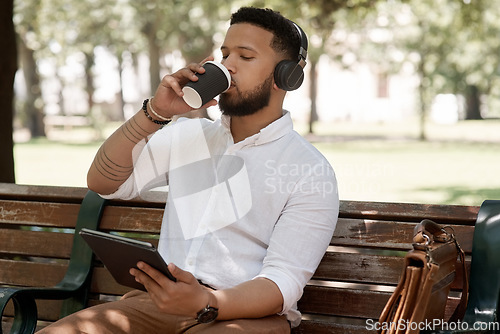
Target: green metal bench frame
(75,285)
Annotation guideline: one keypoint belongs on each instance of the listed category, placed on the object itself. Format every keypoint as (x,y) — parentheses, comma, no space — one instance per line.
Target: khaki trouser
(135,313)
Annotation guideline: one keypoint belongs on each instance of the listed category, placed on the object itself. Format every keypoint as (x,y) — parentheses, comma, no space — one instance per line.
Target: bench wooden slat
(369,269)
(41,243)
(353,303)
(332,325)
(131,219)
(35,193)
(411,212)
(32,274)
(104,283)
(58,194)
(46,214)
(394,235)
(343,302)
(48,310)
(357,268)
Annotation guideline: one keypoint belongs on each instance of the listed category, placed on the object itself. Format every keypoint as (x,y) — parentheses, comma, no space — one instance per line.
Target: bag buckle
(427,239)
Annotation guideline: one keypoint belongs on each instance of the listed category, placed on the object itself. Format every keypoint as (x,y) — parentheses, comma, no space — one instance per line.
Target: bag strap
(459,312)
(428,231)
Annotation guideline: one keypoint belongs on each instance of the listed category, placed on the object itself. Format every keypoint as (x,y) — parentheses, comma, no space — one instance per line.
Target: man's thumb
(179,274)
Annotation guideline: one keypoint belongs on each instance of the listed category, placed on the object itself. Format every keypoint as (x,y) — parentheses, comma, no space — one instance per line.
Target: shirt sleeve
(151,162)
(302,235)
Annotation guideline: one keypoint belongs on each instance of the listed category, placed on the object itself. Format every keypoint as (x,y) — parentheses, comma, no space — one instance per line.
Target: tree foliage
(452,45)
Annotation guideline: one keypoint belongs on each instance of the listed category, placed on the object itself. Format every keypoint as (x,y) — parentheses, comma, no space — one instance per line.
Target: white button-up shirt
(263,207)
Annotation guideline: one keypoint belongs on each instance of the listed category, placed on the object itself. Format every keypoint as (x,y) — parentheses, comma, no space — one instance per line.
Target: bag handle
(428,231)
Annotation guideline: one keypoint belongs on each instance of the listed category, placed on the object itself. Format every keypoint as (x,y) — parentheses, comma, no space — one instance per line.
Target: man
(251,206)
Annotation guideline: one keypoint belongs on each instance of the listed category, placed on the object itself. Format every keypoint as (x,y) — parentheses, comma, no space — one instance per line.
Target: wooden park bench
(66,122)
(38,249)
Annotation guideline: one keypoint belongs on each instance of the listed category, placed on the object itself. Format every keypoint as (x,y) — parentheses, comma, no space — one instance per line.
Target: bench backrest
(352,284)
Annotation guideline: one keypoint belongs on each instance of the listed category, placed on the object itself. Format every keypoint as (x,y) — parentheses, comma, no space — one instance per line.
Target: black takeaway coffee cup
(214,81)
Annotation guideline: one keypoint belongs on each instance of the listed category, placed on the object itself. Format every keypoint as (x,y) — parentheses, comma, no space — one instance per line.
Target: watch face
(207,315)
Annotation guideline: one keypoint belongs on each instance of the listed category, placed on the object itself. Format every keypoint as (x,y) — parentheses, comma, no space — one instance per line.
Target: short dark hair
(286,38)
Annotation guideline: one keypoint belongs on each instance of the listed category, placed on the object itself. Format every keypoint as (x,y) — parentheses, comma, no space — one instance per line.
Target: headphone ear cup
(288,75)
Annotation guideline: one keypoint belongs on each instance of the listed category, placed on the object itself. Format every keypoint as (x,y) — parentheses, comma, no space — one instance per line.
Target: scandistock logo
(209,188)
(212,193)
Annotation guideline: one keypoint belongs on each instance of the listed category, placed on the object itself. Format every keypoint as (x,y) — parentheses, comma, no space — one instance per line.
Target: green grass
(412,171)
(43,162)
(460,164)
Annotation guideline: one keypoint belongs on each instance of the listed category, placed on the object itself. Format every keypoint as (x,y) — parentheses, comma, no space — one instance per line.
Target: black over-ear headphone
(289,74)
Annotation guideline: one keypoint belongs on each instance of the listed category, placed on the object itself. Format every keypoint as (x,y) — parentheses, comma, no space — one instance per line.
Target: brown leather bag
(423,290)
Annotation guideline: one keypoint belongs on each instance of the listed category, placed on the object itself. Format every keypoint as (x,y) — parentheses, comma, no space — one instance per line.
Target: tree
(8,68)
(27,29)
(472,67)
(458,50)
(452,46)
(323,18)
(107,23)
(190,28)
(319,19)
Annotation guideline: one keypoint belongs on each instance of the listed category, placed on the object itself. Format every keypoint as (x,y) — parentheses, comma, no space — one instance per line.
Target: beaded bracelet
(150,103)
(145,109)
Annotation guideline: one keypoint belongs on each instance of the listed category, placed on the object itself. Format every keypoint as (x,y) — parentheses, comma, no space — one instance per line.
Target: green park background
(447,46)
(373,162)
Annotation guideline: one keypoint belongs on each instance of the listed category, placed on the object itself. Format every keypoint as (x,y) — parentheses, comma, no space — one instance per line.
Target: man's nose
(229,63)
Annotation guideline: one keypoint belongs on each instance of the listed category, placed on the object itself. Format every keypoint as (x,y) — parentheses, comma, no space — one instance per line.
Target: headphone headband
(303,43)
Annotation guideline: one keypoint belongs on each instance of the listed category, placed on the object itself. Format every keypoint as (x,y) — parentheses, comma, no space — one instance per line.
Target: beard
(244,104)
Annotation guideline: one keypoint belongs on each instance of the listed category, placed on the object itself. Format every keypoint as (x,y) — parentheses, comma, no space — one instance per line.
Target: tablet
(119,254)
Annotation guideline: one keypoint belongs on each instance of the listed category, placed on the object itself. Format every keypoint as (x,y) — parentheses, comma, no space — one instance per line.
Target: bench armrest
(73,287)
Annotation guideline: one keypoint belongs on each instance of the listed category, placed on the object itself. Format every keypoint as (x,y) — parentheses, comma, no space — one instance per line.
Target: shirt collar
(272,132)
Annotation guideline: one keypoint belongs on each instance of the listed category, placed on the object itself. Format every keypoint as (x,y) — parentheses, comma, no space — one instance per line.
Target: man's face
(248,56)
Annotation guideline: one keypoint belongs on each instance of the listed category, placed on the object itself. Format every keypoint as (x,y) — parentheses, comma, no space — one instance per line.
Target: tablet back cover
(119,254)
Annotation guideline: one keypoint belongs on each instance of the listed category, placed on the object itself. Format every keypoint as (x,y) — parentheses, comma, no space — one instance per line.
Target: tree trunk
(150,31)
(119,56)
(8,68)
(34,102)
(62,106)
(89,80)
(422,97)
(473,109)
(313,94)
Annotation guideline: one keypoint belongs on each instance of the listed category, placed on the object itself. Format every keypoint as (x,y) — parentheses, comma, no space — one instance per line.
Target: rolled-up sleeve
(151,162)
